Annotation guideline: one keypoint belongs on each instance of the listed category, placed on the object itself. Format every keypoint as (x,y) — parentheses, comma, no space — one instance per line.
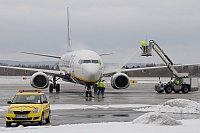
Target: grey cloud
(102,26)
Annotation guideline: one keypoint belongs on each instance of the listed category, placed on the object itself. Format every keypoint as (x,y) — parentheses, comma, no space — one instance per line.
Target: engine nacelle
(39,80)
(120,81)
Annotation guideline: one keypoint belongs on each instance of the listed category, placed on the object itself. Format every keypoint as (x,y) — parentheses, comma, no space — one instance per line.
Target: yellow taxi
(28,106)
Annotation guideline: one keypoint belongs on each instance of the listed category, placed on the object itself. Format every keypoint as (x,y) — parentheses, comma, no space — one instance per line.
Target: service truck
(179,81)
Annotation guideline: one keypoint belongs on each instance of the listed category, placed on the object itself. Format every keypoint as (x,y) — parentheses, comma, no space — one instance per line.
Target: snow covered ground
(188,126)
(155,121)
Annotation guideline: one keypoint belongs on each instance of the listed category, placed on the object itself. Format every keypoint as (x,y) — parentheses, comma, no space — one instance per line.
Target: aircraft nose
(93,73)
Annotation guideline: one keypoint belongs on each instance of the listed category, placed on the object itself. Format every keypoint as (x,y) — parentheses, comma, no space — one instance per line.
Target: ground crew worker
(144,46)
(177,81)
(101,88)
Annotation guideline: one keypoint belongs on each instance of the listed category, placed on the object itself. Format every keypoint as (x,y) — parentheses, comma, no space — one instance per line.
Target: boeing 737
(83,67)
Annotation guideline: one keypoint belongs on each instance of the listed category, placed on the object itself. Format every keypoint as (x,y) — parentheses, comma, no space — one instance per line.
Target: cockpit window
(95,61)
(89,61)
(86,61)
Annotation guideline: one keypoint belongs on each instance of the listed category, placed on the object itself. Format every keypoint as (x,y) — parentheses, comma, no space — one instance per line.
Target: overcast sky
(104,26)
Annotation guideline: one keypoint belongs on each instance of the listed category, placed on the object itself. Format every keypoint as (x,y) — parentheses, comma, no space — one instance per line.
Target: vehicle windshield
(26,99)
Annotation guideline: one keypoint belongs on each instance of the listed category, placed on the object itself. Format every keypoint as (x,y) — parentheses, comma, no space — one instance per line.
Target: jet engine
(120,81)
(39,80)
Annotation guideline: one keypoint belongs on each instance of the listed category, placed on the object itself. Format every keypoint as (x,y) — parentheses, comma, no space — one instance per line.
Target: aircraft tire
(160,91)
(51,88)
(57,87)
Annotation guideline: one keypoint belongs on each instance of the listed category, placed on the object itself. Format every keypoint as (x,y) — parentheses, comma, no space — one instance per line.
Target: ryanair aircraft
(83,67)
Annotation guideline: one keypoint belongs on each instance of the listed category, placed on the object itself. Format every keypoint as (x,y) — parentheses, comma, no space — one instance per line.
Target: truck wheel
(185,89)
(168,89)
(160,91)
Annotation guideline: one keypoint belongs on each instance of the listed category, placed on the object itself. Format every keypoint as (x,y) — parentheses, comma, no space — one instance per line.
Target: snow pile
(156,118)
(179,106)
(182,103)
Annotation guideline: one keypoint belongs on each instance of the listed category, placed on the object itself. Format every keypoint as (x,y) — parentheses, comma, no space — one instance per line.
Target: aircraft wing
(132,69)
(142,68)
(109,71)
(45,55)
(48,72)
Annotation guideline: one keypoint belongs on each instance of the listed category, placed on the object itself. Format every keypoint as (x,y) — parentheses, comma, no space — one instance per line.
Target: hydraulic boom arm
(163,56)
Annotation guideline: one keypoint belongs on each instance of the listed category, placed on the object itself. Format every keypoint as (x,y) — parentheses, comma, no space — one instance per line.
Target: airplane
(83,67)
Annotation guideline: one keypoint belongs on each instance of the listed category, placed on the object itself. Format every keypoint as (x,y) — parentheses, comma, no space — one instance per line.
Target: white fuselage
(84,66)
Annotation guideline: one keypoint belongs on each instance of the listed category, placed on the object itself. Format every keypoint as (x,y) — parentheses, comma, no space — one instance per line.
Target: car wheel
(48,119)
(41,122)
(8,124)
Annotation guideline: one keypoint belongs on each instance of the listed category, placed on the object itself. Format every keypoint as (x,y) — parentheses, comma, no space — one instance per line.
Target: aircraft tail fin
(69,43)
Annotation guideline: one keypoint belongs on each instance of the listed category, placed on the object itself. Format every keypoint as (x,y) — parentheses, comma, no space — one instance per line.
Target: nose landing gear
(53,85)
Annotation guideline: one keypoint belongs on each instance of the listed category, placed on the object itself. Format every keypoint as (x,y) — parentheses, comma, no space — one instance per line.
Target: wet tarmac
(75,94)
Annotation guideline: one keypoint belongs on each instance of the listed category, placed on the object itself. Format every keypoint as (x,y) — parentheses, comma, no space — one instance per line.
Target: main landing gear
(53,85)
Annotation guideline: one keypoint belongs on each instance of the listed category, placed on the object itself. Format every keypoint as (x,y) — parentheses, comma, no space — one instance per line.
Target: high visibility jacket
(101,84)
(144,43)
(177,82)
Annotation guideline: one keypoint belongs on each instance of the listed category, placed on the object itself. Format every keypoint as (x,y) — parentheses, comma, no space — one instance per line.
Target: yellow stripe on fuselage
(82,79)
